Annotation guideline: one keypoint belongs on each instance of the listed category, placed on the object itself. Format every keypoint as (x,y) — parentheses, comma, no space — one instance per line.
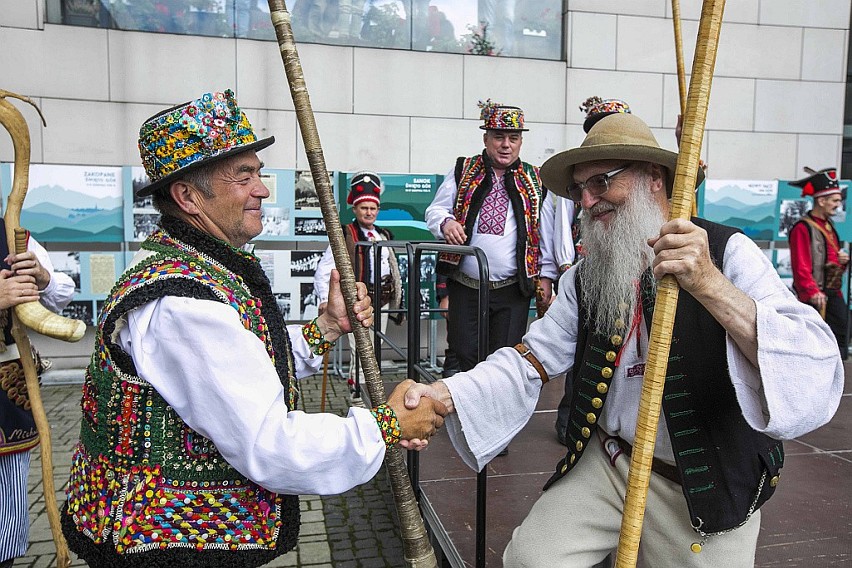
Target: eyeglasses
(596,185)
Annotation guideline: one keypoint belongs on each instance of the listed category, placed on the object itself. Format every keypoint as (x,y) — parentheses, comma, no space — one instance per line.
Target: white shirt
(60,290)
(563,240)
(500,250)
(218,377)
(326,264)
(795,390)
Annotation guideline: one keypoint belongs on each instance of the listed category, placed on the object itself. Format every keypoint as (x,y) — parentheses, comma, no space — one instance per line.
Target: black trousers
(837,318)
(508,313)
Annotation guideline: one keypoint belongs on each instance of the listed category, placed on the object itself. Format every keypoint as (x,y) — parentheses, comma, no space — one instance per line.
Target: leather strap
(527,354)
(658,466)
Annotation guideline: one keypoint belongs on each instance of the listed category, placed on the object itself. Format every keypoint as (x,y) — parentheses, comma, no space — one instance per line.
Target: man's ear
(658,177)
(186,196)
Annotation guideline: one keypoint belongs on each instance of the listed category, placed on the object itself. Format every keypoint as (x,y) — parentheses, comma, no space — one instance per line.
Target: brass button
(591,418)
(564,468)
(579,445)
(774,481)
(606,372)
(586,432)
(619,323)
(596,402)
(616,340)
(573,458)
(610,356)
(602,388)
(696,547)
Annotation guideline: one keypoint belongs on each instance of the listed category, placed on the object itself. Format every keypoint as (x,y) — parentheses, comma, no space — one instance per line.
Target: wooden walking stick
(33,314)
(665,307)
(681,73)
(417,548)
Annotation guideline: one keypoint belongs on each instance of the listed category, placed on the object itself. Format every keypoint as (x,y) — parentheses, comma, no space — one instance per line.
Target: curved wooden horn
(32,314)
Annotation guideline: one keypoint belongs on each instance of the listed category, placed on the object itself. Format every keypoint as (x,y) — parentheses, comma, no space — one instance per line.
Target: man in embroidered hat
(498,203)
(818,261)
(365,193)
(192,452)
(729,398)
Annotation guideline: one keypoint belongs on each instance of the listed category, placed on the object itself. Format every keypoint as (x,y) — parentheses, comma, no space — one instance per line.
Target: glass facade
(507,28)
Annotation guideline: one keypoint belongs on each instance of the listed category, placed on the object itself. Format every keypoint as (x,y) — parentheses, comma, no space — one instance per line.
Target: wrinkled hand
(443,304)
(454,233)
(818,301)
(334,322)
(682,251)
(419,423)
(843,257)
(16,289)
(321,308)
(27,264)
(547,290)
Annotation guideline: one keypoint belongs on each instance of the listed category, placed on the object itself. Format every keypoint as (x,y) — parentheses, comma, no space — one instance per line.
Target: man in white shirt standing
(496,202)
(365,194)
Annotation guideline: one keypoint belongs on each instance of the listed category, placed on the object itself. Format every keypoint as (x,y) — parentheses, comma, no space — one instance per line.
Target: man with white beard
(749,366)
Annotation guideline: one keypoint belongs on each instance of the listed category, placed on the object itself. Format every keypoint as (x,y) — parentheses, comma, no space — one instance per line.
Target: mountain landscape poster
(747,205)
(73,203)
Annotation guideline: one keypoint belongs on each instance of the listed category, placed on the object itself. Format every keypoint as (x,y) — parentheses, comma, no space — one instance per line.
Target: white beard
(616,257)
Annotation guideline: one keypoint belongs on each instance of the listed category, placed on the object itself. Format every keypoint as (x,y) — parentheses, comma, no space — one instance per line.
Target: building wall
(776,106)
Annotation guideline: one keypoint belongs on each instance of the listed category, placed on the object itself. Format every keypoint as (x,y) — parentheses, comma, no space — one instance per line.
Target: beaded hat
(596,108)
(819,183)
(618,136)
(365,186)
(501,117)
(182,138)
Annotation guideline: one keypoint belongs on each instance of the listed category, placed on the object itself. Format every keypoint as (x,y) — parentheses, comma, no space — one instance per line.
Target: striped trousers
(14,515)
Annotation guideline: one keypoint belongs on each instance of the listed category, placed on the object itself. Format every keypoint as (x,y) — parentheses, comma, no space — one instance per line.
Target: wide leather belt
(658,466)
(466,280)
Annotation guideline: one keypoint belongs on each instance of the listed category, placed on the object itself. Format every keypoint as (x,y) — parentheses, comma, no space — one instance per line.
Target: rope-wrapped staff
(681,73)
(665,307)
(417,548)
(32,314)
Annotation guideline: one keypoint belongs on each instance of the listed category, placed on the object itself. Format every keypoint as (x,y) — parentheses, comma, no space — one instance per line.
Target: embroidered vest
(363,267)
(526,194)
(819,254)
(728,470)
(144,485)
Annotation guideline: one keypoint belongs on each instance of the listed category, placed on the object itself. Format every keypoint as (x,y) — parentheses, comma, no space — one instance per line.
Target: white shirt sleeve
(563,240)
(60,290)
(219,379)
(322,275)
(549,268)
(800,380)
(442,204)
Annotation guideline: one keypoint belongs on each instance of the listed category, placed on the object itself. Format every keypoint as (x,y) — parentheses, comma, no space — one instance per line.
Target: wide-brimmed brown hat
(615,137)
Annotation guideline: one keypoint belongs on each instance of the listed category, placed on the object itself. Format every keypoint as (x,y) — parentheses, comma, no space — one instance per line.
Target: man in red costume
(817,259)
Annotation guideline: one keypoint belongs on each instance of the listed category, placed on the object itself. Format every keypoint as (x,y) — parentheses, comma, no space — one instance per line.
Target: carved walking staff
(33,314)
(665,307)
(417,548)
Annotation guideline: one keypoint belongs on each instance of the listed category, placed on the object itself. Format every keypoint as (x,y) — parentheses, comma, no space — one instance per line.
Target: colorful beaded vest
(526,194)
(145,489)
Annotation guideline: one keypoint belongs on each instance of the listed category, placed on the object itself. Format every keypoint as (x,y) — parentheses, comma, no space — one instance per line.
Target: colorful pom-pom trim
(388,424)
(319,344)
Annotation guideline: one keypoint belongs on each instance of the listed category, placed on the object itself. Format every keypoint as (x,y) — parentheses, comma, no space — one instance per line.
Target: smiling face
(233,212)
(503,147)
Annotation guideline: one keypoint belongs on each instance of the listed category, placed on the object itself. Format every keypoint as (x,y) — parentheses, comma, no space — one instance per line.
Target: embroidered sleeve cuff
(318,343)
(388,424)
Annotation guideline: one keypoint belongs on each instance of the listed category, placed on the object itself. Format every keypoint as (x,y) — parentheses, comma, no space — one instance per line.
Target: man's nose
(587,200)
(260,190)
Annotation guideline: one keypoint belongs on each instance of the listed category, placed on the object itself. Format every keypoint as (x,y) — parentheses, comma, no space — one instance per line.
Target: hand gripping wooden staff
(417,549)
(33,314)
(665,307)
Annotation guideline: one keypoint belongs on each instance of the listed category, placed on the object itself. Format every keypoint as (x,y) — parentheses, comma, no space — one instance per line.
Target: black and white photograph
(427,268)
(99,308)
(790,211)
(67,263)
(140,180)
(308,301)
(310,226)
(144,224)
(783,263)
(304,262)
(79,310)
(283,301)
(425,302)
(305,191)
(276,222)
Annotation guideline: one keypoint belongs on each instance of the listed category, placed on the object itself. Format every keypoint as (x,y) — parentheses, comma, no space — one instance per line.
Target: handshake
(420,410)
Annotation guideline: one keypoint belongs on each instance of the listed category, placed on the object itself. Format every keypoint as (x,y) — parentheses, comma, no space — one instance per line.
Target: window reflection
(507,28)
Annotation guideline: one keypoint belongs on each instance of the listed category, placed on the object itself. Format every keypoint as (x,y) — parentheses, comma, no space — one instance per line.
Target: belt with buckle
(658,466)
(466,280)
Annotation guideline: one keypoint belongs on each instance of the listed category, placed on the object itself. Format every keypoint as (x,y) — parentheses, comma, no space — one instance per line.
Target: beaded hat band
(501,117)
(596,108)
(184,137)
